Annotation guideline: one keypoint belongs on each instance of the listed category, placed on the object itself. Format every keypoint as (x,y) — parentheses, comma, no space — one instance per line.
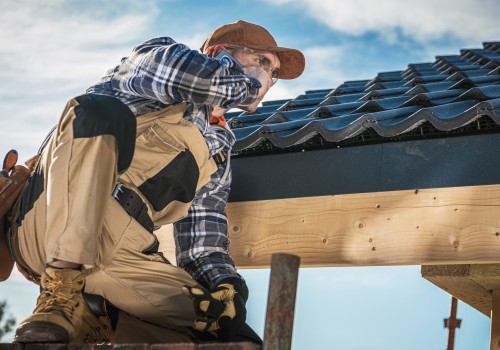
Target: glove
(222,310)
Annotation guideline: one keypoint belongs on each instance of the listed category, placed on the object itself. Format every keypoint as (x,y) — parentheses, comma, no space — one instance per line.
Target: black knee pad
(105,115)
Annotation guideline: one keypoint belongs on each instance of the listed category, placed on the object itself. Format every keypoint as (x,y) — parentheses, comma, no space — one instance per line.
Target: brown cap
(251,35)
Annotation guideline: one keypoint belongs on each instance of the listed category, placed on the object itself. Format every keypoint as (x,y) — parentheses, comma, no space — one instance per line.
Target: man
(146,146)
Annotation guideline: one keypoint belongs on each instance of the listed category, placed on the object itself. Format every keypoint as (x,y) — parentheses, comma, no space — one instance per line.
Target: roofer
(146,146)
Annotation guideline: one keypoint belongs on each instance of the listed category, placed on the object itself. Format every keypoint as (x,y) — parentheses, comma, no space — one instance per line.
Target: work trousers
(68,211)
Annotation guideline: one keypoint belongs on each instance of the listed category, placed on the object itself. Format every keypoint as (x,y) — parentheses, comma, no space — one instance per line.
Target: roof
(454,95)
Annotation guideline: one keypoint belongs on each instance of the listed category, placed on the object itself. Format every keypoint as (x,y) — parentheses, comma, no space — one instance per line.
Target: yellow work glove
(220,311)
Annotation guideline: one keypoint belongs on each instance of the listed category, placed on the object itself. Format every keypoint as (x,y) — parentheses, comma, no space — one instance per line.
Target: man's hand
(265,80)
(221,310)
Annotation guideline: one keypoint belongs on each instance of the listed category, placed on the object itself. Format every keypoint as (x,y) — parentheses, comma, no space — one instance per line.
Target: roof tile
(450,94)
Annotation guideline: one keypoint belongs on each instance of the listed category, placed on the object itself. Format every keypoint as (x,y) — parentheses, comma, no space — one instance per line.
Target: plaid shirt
(159,73)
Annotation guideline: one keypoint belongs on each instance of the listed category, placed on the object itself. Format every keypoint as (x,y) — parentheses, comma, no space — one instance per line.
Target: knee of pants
(105,115)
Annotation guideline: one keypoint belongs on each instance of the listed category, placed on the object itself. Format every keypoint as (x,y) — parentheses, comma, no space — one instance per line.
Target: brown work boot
(60,309)
(95,330)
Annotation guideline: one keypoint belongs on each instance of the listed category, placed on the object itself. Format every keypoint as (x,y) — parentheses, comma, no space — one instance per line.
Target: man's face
(267,61)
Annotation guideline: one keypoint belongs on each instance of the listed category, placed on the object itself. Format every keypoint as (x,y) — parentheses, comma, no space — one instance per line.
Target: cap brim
(292,62)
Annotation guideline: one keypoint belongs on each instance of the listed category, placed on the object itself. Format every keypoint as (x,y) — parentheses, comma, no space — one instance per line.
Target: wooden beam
(488,276)
(457,225)
(458,280)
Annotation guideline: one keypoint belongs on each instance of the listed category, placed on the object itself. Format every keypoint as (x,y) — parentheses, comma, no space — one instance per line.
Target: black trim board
(431,163)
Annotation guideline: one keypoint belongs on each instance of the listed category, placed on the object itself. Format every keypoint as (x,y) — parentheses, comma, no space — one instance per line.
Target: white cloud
(47,44)
(323,71)
(468,20)
(17,278)
(326,68)
(53,50)
(324,63)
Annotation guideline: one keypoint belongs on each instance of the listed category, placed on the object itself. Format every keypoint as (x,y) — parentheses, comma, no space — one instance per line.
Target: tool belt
(12,182)
(133,205)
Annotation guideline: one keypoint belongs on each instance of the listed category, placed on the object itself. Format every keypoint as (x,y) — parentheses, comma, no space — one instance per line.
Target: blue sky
(53,50)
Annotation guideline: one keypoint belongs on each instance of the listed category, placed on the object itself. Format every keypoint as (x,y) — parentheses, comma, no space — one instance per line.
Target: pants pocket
(164,169)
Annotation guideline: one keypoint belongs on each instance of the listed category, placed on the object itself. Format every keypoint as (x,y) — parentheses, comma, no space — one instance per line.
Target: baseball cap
(241,33)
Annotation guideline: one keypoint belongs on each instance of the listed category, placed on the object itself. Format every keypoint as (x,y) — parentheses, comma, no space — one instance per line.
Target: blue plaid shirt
(159,73)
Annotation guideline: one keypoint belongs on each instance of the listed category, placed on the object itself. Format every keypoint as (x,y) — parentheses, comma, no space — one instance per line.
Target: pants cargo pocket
(175,182)
(164,169)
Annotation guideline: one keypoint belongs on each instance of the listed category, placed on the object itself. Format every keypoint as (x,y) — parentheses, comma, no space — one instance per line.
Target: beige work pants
(70,214)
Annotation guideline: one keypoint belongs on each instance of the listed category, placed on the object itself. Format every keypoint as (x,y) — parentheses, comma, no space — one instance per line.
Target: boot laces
(59,296)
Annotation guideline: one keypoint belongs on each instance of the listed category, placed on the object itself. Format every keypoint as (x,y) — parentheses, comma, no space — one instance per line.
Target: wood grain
(459,225)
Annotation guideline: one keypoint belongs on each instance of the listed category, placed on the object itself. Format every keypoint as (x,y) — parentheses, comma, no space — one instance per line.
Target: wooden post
(281,302)
(495,320)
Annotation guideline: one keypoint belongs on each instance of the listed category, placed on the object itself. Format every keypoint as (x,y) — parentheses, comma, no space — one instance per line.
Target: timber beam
(475,285)
(472,284)
(439,226)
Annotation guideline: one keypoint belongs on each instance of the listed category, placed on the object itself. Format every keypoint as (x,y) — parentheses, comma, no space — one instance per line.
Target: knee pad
(97,115)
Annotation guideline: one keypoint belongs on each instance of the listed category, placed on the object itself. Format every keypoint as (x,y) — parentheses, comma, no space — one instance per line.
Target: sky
(53,50)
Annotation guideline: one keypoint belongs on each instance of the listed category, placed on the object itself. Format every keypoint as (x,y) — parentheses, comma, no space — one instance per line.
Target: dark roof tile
(333,100)
(453,94)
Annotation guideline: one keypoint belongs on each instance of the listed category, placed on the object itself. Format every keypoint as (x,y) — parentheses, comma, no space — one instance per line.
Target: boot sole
(40,332)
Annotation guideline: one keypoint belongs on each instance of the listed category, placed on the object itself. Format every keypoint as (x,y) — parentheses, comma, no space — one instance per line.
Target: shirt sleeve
(202,242)
(161,69)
